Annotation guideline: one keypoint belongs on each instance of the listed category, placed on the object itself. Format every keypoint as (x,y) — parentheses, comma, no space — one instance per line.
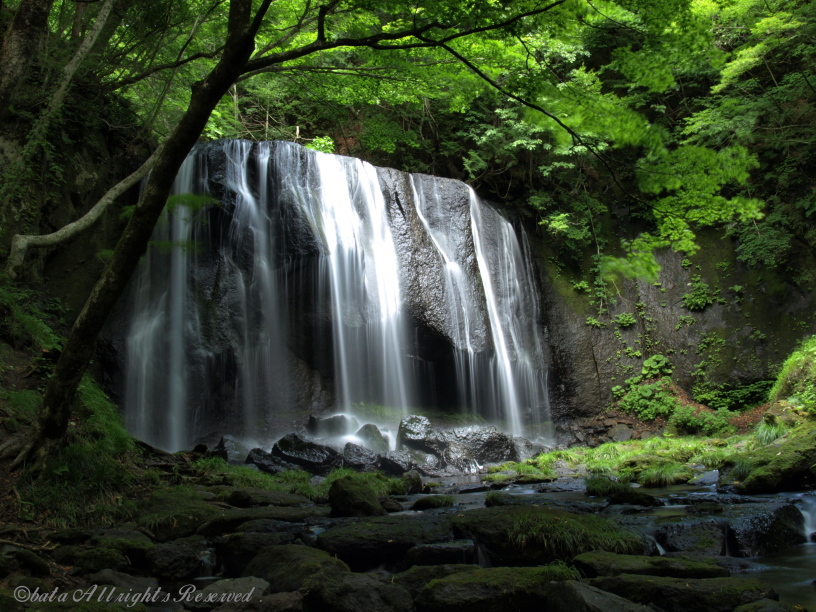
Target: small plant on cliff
(700,297)
(625,319)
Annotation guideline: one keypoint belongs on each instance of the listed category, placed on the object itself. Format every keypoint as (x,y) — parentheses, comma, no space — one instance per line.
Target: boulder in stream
(314,458)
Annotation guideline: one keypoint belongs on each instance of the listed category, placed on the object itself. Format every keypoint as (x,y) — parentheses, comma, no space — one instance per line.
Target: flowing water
(291,291)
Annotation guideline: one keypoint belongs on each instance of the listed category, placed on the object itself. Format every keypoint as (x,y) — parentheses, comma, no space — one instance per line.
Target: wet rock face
(445,204)
(705,537)
(315,458)
(463,449)
(372,438)
(337,425)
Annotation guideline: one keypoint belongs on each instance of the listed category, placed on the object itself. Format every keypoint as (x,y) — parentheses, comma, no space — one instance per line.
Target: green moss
(785,465)
(176,512)
(796,381)
(433,501)
(568,536)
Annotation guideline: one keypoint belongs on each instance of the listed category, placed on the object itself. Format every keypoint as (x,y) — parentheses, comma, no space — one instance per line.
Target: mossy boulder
(247,497)
(178,560)
(490,589)
(8,603)
(684,594)
(414,579)
(763,528)
(705,537)
(236,550)
(286,567)
(599,563)
(788,464)
(32,563)
(233,520)
(382,539)
(352,593)
(431,502)
(440,553)
(90,560)
(133,544)
(176,512)
(574,596)
(532,535)
(640,463)
(766,605)
(353,496)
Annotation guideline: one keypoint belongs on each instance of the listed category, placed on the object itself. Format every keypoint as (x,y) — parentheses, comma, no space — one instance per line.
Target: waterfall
(294,295)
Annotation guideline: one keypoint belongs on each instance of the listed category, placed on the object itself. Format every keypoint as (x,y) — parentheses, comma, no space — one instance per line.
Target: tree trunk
(79,348)
(20,46)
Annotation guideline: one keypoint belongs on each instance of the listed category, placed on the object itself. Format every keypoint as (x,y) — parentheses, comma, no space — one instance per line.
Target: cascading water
(295,286)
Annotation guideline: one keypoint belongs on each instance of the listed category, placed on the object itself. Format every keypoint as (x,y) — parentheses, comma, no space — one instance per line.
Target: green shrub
(689,419)
(656,366)
(739,398)
(649,401)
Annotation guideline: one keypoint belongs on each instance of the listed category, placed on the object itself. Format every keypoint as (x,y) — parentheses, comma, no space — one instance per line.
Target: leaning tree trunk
(78,350)
(20,46)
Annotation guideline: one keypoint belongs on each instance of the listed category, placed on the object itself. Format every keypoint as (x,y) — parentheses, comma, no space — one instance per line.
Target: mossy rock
(683,594)
(286,567)
(352,496)
(232,520)
(176,512)
(490,589)
(640,463)
(8,603)
(383,539)
(133,544)
(414,579)
(238,549)
(248,497)
(599,563)
(349,592)
(90,560)
(532,535)
(762,528)
(32,562)
(430,502)
(788,464)
(766,605)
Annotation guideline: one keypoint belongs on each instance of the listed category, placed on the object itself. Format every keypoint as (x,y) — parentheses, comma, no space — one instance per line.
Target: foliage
(24,320)
(796,381)
(700,297)
(743,397)
(649,401)
(696,420)
(88,480)
(625,319)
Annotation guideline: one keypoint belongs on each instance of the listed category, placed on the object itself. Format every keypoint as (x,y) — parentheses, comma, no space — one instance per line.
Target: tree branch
(20,243)
(113,86)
